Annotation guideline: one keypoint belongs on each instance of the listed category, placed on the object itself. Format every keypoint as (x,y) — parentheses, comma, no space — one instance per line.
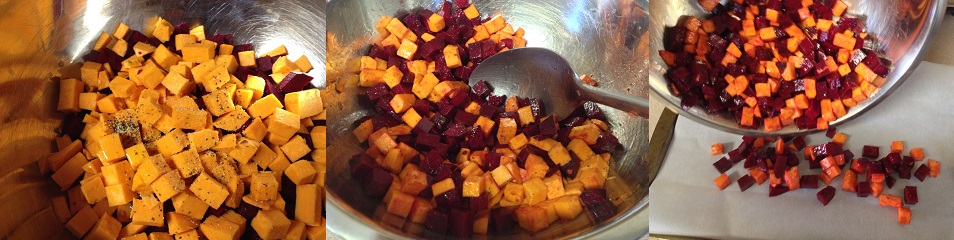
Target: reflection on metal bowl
(605,39)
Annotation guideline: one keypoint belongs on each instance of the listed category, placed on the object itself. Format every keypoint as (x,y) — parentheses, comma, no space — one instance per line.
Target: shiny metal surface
(37,37)
(544,74)
(901,28)
(606,39)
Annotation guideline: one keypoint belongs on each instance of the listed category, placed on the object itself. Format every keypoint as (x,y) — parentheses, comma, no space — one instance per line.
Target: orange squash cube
(722,181)
(532,218)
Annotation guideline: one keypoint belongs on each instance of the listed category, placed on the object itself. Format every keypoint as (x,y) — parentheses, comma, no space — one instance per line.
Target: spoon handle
(615,100)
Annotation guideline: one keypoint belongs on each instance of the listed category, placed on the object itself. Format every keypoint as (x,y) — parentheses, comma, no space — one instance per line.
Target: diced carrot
(839,159)
(889,200)
(850,181)
(904,215)
(858,95)
(840,139)
(827,162)
(729,59)
(844,69)
(763,90)
(722,181)
(792,179)
(809,91)
(734,50)
(767,34)
(772,70)
(801,101)
(824,24)
(917,154)
(897,147)
(843,41)
(858,168)
(692,23)
(832,65)
(833,171)
(708,5)
(790,103)
(825,178)
(748,28)
(809,22)
(779,146)
(879,81)
(773,124)
(668,57)
(876,177)
(935,167)
(716,149)
(826,111)
(759,175)
(786,115)
(708,26)
(789,72)
(848,102)
(876,189)
(865,73)
(748,117)
(690,47)
(821,124)
(774,181)
(702,47)
(804,13)
(839,8)
(809,155)
(838,108)
(771,15)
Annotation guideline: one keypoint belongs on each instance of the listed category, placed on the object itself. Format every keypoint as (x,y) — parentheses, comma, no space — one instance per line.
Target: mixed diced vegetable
(174,134)
(458,159)
(772,64)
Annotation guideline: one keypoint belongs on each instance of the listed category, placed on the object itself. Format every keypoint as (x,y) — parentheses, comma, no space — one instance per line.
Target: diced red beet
(907,161)
(482,88)
(377,183)
(455,130)
(825,195)
(889,181)
(571,168)
(593,111)
(831,132)
(601,212)
(828,149)
(431,163)
(549,128)
(745,182)
(591,197)
(449,199)
(480,203)
(502,220)
(361,166)
(779,168)
(894,158)
(910,195)
(437,221)
(922,172)
(808,181)
(849,155)
(461,223)
(863,189)
(475,138)
(493,160)
(904,173)
(777,190)
(722,165)
(294,82)
(799,142)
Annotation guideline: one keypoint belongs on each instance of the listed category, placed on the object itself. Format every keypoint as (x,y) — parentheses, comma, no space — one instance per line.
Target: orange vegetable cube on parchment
(717,149)
(722,181)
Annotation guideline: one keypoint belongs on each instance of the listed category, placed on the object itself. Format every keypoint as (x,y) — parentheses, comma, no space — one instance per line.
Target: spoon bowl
(545,75)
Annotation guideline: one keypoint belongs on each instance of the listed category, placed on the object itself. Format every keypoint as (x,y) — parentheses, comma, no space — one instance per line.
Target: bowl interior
(606,39)
(901,30)
(41,36)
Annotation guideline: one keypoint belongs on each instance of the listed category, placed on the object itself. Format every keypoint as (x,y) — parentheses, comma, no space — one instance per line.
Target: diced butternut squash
(271,224)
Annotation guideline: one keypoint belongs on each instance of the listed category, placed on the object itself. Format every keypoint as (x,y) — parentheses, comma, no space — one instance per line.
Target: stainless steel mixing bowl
(901,28)
(36,37)
(606,39)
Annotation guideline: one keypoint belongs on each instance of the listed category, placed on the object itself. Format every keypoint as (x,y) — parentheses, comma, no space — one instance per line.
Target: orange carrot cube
(850,183)
(773,124)
(889,200)
(839,8)
(792,179)
(825,178)
(827,162)
(810,91)
(833,172)
(717,149)
(722,181)
(839,138)
(876,177)
(759,175)
(904,215)
(917,154)
(897,146)
(935,167)
(877,188)
(821,124)
(779,146)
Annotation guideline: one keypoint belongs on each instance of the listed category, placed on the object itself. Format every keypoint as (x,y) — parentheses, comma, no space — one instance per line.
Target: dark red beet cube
(294,82)
(592,197)
(378,183)
(745,182)
(502,219)
(571,168)
(437,221)
(602,211)
(922,172)
(777,190)
(722,165)
(825,195)
(870,152)
(889,181)
(479,203)
(461,223)
(449,199)
(863,189)
(808,181)
(904,173)
(911,195)
(831,132)
(361,166)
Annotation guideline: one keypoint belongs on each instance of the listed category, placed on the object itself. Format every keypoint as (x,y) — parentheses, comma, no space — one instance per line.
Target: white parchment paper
(684,200)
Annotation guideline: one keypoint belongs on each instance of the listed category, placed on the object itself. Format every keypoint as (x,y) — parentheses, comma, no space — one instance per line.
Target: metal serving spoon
(544,74)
